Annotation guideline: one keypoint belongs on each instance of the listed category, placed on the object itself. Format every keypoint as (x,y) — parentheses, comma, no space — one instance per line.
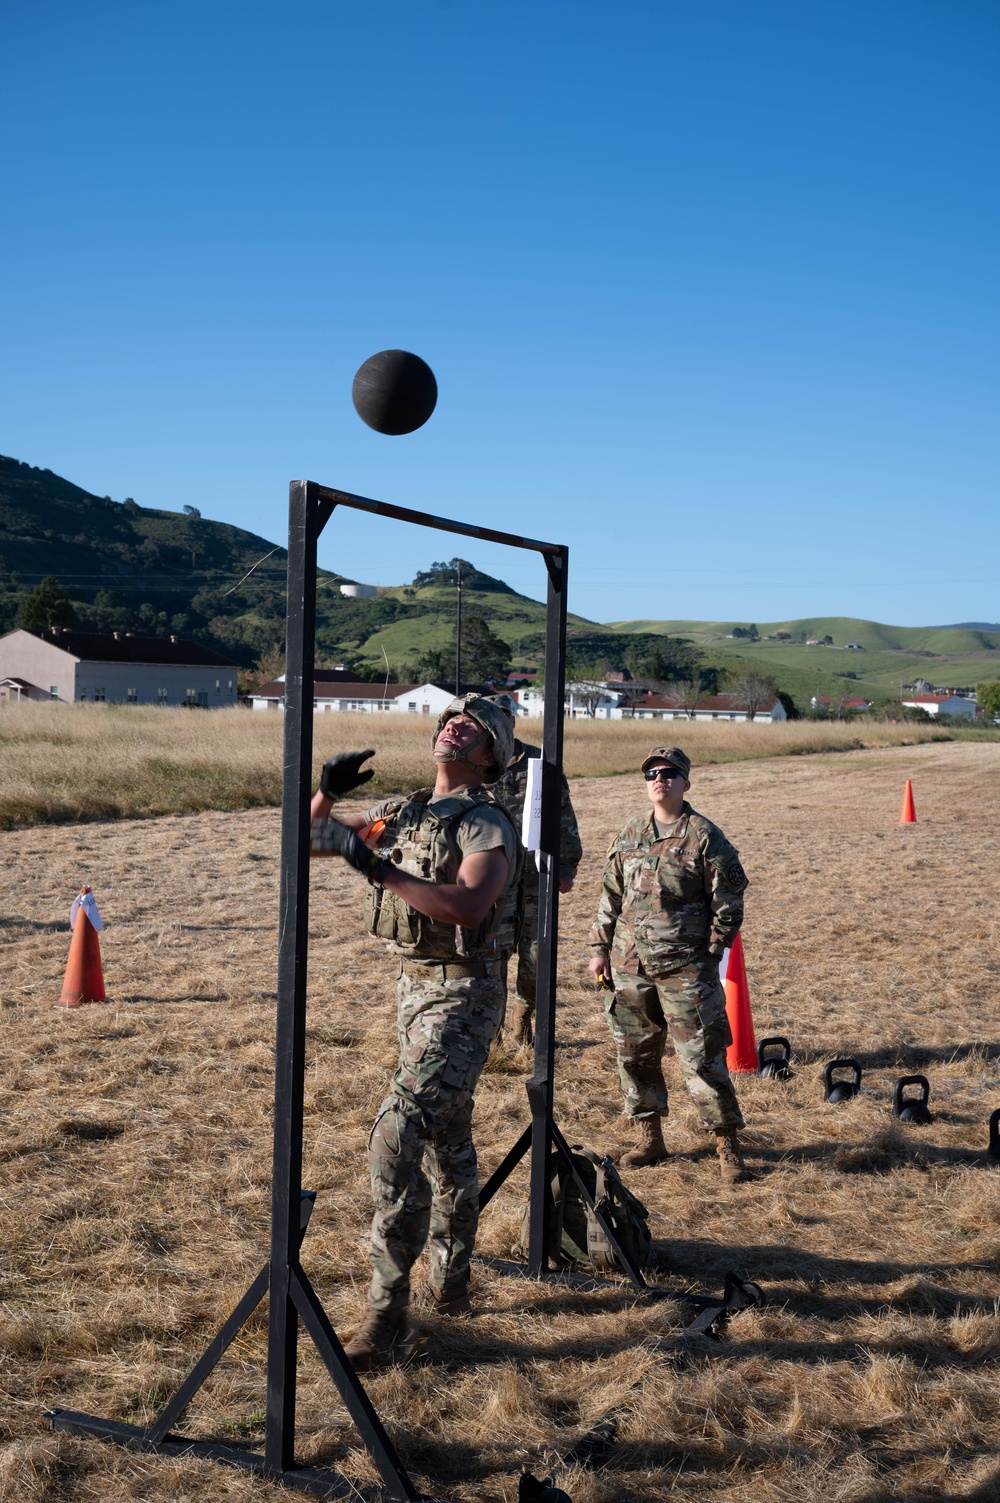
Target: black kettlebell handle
(898,1100)
(781,1060)
(841,1064)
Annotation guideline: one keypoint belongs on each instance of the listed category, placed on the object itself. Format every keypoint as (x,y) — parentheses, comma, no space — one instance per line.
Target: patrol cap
(671,755)
(494,722)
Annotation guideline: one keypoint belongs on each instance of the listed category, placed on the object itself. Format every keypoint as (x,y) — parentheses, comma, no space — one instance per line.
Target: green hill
(129,567)
(948,656)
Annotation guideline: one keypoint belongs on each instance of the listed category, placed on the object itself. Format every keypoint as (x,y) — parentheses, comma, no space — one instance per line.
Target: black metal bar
(540,1087)
(315,1480)
(508,1163)
(216,1349)
(224,1337)
(293,944)
(426,519)
(356,1400)
(458,634)
(625,1258)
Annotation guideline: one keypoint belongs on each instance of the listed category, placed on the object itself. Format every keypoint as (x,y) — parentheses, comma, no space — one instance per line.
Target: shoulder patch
(733,875)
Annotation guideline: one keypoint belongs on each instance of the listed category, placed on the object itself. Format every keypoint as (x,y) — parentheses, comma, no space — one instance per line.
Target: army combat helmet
(496,728)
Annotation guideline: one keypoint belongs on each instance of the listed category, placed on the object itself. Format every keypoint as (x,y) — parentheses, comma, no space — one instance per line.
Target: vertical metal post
(293,941)
(541,1085)
(458,634)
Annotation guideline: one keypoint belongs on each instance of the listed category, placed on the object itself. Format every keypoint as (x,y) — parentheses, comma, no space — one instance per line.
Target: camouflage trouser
(527,946)
(689,1008)
(445,1032)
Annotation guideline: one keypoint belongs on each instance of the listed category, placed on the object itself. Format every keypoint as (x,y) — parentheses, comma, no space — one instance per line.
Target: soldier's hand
(600,966)
(331,835)
(343,773)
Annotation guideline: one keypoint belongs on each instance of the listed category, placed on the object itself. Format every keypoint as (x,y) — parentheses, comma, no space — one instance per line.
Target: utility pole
(458,634)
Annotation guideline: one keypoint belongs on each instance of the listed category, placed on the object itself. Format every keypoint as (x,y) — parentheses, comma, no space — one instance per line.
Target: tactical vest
(421,840)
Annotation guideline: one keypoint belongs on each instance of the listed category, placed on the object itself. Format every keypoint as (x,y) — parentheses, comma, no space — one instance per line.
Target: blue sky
(710,290)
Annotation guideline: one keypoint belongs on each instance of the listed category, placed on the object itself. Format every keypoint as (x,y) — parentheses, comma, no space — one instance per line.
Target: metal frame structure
(291,1295)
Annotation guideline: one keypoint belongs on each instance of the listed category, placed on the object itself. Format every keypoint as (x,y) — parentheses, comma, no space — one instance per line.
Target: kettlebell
(994,1148)
(532,1489)
(836,1091)
(911,1108)
(774,1066)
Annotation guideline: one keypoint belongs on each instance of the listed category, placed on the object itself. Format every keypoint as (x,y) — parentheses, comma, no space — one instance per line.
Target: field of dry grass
(136,1158)
(63,763)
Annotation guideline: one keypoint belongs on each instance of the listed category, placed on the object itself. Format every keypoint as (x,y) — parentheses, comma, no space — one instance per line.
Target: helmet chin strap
(454,754)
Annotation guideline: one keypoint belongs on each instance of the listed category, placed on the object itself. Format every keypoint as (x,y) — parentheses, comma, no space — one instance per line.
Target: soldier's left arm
(725,884)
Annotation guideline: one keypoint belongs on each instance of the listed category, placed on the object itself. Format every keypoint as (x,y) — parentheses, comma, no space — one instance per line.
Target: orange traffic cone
(908,815)
(741,1056)
(84,980)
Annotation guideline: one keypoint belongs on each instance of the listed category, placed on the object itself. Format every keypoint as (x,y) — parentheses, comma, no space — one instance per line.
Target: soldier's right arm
(602,933)
(319,810)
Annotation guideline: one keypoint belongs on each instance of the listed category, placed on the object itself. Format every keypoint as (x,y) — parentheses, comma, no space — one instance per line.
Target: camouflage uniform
(669,907)
(511,789)
(451,997)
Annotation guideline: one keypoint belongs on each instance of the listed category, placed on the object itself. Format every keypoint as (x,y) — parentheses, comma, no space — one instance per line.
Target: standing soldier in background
(441,864)
(672,901)
(511,788)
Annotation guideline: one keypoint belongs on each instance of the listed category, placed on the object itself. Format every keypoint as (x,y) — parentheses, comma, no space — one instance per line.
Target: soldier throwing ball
(441,864)
(672,902)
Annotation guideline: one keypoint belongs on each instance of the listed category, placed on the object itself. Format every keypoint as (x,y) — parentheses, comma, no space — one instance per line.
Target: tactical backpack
(576,1237)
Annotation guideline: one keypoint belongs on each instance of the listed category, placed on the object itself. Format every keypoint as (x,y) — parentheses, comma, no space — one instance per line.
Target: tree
(269,665)
(485,656)
(191,511)
(988,695)
(48,605)
(588,693)
(751,688)
(436,667)
(685,692)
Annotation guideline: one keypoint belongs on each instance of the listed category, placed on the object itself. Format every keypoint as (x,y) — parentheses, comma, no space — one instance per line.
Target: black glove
(343,772)
(342,840)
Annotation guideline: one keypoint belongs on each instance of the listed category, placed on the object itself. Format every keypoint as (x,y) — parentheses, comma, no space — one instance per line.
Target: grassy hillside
(951,656)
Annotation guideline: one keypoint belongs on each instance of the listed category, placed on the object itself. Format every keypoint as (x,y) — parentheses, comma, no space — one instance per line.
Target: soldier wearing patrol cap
(520,927)
(441,865)
(672,901)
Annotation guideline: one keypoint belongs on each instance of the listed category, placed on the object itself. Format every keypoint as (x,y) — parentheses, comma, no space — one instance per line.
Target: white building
(943,704)
(614,704)
(69,667)
(335,692)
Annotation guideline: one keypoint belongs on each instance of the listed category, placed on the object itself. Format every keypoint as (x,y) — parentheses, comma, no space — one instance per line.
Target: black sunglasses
(652,773)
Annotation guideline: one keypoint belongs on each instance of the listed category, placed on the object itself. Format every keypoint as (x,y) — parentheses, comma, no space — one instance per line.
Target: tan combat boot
(378,1341)
(731,1165)
(523,1031)
(651,1149)
(451,1302)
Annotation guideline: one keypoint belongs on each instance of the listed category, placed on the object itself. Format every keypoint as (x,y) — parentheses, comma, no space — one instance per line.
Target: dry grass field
(136,1159)
(67,763)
